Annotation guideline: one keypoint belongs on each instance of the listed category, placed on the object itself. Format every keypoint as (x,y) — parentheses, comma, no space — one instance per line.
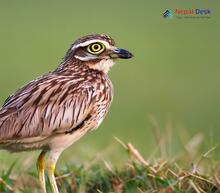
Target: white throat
(104,65)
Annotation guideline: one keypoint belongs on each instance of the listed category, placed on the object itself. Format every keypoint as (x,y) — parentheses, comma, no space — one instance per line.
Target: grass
(136,175)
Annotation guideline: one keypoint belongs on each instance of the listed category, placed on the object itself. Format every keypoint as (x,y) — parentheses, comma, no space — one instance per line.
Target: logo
(188,13)
(167,14)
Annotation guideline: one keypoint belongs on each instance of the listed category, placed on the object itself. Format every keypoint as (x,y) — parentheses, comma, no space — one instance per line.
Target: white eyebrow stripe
(90,42)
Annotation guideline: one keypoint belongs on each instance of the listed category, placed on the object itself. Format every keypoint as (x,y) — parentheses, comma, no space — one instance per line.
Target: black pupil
(96,47)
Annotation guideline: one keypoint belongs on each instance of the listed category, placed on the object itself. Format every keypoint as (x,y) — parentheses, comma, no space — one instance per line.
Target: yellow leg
(40,168)
(52,160)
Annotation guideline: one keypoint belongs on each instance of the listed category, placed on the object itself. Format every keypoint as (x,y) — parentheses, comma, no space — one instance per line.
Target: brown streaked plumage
(55,110)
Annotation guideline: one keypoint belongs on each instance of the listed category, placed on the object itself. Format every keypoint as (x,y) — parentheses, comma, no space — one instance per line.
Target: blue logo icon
(167,14)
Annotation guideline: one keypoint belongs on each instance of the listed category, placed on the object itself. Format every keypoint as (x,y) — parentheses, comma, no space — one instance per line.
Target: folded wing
(51,104)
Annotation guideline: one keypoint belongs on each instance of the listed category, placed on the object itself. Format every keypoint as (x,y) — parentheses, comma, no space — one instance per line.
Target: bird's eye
(96,48)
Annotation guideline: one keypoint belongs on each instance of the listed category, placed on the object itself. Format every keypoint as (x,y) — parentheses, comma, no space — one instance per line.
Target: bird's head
(96,51)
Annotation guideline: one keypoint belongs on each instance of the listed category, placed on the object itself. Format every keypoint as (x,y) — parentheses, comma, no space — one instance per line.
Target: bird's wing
(45,106)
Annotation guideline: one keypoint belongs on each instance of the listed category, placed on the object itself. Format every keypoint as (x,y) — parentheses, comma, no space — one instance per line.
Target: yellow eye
(96,48)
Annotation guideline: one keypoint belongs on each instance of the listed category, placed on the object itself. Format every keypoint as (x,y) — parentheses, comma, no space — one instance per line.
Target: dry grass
(137,175)
(173,175)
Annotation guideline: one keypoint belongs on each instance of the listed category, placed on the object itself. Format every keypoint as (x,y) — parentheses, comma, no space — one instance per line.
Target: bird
(56,109)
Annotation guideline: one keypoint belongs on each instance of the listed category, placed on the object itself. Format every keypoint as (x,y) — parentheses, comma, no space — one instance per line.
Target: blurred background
(170,88)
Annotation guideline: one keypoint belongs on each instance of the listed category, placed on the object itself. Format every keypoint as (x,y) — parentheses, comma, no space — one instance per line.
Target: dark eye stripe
(96,48)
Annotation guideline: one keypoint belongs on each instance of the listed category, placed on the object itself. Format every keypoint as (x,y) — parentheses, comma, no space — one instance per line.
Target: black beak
(121,53)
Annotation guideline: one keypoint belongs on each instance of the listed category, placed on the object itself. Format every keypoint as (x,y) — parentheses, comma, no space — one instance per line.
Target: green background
(174,76)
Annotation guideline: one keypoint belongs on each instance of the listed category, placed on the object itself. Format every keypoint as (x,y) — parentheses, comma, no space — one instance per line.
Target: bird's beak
(120,53)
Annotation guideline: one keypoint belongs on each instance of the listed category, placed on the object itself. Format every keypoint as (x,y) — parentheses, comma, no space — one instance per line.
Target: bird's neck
(102,66)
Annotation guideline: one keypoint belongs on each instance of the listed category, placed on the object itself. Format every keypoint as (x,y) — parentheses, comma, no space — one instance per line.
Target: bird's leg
(40,169)
(52,160)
